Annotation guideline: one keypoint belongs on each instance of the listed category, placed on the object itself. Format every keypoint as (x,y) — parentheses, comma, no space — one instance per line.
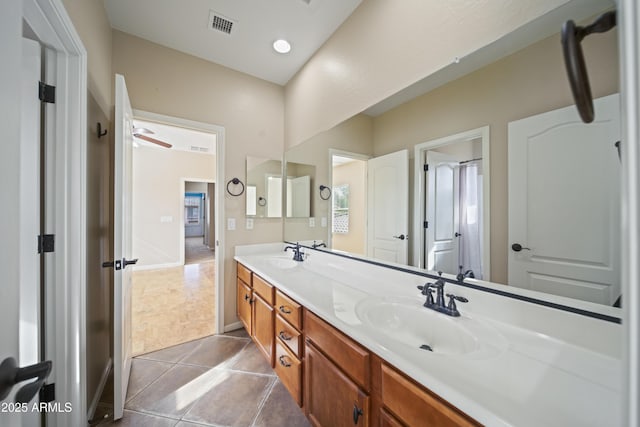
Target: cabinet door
(263,318)
(243,305)
(331,398)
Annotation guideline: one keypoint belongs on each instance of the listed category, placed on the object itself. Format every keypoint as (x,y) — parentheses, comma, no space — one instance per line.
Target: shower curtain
(470,245)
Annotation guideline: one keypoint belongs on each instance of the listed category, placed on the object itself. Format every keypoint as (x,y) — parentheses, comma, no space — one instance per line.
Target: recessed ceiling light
(281,46)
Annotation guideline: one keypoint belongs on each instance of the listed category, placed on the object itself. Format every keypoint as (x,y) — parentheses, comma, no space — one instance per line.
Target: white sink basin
(406,323)
(282,262)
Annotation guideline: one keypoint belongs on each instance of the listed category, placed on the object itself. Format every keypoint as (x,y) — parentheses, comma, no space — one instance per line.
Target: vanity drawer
(342,350)
(288,335)
(263,288)
(289,370)
(414,405)
(289,310)
(244,274)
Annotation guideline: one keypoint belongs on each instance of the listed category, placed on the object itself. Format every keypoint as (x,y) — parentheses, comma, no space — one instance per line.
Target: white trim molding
(629,37)
(66,209)
(420,191)
(219,198)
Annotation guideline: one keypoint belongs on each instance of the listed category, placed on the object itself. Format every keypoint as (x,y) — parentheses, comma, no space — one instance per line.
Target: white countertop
(550,368)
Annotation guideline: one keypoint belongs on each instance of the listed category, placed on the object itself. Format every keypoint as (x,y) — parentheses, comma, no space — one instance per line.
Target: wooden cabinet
(337,381)
(336,376)
(414,405)
(331,398)
(244,299)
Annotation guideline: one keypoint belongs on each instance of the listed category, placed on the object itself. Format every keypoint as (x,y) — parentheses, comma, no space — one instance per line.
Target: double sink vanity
(360,343)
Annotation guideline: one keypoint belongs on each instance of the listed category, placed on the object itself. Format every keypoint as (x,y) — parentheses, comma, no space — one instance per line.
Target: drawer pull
(285,310)
(284,336)
(357,412)
(246,297)
(283,361)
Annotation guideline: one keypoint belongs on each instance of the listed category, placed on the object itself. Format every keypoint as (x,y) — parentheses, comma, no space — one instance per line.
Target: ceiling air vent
(199,149)
(220,23)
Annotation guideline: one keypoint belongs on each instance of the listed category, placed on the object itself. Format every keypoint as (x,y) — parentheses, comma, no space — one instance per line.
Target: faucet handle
(452,301)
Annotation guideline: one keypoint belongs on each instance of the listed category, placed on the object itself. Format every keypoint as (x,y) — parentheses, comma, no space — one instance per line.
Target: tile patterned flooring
(172,306)
(221,380)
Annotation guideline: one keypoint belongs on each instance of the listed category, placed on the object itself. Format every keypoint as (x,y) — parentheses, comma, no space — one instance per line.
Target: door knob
(517,247)
(401,237)
(457,234)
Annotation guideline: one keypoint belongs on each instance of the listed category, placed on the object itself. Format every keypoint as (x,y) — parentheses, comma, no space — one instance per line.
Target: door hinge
(425,224)
(426,167)
(46,93)
(48,393)
(46,243)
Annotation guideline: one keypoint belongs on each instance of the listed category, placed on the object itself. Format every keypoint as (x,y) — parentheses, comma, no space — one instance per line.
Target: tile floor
(195,251)
(221,380)
(172,306)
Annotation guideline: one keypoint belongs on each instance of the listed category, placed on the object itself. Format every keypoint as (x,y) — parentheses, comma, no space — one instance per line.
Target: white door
(300,196)
(564,202)
(388,207)
(122,246)
(442,213)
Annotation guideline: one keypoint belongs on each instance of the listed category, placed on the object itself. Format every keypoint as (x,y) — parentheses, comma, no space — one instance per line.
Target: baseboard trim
(96,399)
(233,326)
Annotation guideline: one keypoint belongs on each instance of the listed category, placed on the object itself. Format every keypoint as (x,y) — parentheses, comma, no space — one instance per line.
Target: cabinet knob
(284,336)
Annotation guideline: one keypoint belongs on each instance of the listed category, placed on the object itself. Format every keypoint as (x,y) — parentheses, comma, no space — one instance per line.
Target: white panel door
(442,213)
(564,202)
(388,207)
(300,192)
(122,245)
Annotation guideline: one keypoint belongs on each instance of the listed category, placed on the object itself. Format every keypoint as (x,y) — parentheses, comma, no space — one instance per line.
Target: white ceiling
(184,26)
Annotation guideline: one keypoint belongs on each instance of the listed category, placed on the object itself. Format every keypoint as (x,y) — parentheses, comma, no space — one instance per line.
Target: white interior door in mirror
(388,207)
(564,203)
(299,197)
(442,208)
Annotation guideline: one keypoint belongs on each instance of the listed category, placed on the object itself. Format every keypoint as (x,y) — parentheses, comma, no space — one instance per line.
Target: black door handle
(457,234)
(517,247)
(401,237)
(11,375)
(126,262)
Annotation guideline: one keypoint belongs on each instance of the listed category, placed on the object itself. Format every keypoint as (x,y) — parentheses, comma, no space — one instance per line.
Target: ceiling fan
(142,133)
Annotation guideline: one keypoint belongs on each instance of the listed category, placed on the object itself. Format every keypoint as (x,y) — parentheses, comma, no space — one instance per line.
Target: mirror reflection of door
(348,203)
(453,207)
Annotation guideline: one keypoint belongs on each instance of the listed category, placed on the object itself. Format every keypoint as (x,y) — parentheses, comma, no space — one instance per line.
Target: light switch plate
(312,222)
(231,224)
(249,225)
(323,221)
(166,218)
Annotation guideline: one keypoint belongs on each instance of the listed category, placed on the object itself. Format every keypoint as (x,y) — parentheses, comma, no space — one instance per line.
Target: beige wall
(354,175)
(528,82)
(168,82)
(90,20)
(158,191)
(385,46)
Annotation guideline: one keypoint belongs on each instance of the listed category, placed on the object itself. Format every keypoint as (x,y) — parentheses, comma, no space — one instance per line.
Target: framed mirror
(519,77)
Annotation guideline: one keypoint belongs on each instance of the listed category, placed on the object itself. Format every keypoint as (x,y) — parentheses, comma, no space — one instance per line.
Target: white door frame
(629,34)
(66,208)
(420,191)
(219,199)
(352,155)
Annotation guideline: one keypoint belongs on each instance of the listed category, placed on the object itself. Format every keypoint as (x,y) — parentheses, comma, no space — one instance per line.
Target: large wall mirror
(512,192)
(264,188)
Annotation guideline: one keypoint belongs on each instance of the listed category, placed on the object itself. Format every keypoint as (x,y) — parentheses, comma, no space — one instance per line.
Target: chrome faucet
(450,309)
(298,255)
(461,276)
(318,245)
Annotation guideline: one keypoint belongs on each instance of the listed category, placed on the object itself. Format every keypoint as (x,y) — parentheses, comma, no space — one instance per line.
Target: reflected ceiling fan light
(142,131)
(281,46)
